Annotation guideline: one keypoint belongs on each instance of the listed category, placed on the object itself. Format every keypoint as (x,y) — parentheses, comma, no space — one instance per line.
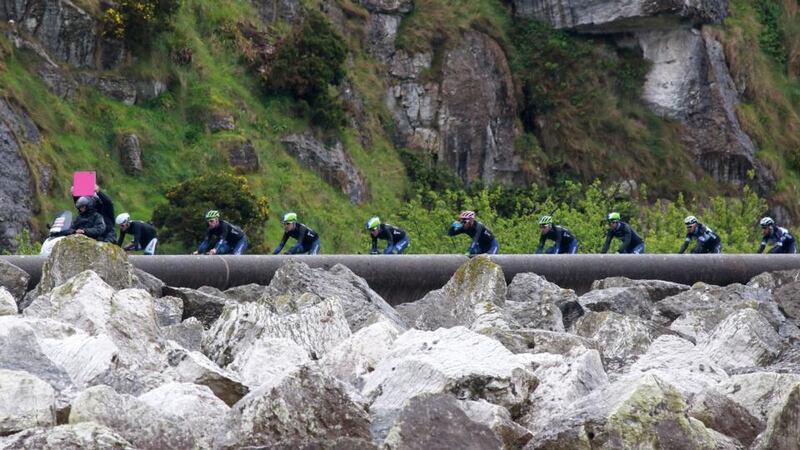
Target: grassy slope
(80,134)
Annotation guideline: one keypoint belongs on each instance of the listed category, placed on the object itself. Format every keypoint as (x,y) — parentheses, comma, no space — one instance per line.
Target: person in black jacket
(104,205)
(144,234)
(483,241)
(230,239)
(781,238)
(395,237)
(88,223)
(307,239)
(707,240)
(631,242)
(565,241)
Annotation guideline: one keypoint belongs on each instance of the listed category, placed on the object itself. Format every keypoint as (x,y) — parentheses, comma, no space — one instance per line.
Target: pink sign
(83,183)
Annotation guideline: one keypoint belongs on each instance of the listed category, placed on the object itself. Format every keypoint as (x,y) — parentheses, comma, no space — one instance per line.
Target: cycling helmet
(614,217)
(212,214)
(289,217)
(123,218)
(546,220)
(84,201)
(690,220)
(372,223)
(767,221)
(467,215)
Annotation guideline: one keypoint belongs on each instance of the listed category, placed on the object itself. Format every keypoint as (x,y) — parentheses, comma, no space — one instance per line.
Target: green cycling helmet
(614,217)
(546,220)
(212,214)
(289,217)
(372,223)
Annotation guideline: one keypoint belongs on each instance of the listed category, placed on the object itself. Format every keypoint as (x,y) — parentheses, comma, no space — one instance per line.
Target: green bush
(582,209)
(138,22)
(771,37)
(181,219)
(306,66)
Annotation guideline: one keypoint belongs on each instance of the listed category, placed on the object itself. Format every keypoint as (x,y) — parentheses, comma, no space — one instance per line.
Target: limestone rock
(75,254)
(130,154)
(499,420)
(200,412)
(454,360)
(640,413)
(629,301)
(8,306)
(25,402)
(772,281)
(268,358)
(622,338)
(611,16)
(680,363)
(744,339)
(188,334)
(14,279)
(149,89)
(430,420)
(116,87)
(85,358)
(289,11)
(362,306)
(381,34)
(299,407)
(783,428)
(194,367)
(358,355)
(531,288)
(220,121)
(206,308)
(169,310)
(657,290)
(473,297)
(242,156)
(151,284)
(317,328)
(16,188)
(330,162)
(535,315)
(246,293)
(542,341)
(388,6)
(137,422)
(87,435)
(788,299)
(563,379)
(726,416)
(759,392)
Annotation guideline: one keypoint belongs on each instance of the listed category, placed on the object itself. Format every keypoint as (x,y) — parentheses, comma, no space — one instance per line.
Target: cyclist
(230,239)
(783,241)
(565,241)
(88,223)
(307,239)
(707,240)
(631,242)
(483,241)
(396,238)
(144,234)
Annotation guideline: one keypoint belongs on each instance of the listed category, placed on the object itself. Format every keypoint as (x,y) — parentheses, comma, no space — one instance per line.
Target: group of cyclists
(96,220)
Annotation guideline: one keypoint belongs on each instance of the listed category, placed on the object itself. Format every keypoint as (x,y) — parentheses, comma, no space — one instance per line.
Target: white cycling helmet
(767,221)
(123,218)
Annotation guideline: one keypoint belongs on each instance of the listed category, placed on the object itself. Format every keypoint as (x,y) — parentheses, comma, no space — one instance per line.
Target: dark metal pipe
(408,278)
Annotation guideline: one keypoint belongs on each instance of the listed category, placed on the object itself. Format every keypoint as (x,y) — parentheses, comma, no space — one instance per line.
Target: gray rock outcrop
(130,153)
(242,156)
(25,402)
(330,162)
(472,134)
(16,186)
(86,435)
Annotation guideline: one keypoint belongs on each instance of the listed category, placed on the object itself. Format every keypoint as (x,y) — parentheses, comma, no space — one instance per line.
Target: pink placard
(83,183)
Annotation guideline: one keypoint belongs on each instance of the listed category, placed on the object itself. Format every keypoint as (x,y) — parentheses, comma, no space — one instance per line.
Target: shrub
(306,65)
(137,22)
(771,36)
(181,218)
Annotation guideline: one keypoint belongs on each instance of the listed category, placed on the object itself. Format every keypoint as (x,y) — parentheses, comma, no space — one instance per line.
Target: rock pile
(318,360)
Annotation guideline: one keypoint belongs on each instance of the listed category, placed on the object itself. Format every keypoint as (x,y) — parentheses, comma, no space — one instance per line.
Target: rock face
(330,162)
(66,31)
(130,154)
(16,187)
(473,134)
(783,428)
(612,16)
(242,156)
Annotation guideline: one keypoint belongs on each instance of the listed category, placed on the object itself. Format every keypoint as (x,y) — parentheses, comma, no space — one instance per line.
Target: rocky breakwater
(318,360)
(689,80)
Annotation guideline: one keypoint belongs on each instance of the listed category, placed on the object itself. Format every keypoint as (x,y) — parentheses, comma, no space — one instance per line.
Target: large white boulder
(759,392)
(25,402)
(628,301)
(193,367)
(358,355)
(783,427)
(201,412)
(8,305)
(499,420)
(744,339)
(84,436)
(268,358)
